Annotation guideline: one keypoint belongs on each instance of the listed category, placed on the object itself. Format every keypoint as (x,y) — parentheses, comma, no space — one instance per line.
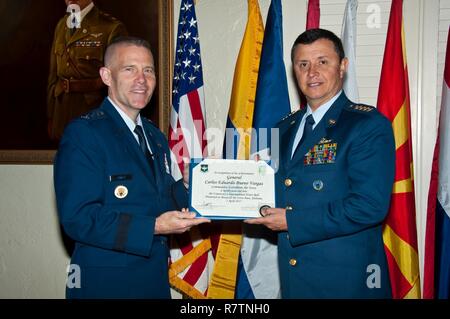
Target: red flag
(312,22)
(399,234)
(313,16)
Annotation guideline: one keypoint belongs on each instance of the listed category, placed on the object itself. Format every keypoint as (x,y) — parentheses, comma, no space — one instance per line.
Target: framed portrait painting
(26,38)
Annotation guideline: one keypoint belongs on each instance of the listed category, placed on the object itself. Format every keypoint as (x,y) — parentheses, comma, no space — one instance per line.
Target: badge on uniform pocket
(121,191)
(317,185)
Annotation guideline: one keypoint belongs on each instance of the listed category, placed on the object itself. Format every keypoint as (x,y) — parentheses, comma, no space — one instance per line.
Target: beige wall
(32,257)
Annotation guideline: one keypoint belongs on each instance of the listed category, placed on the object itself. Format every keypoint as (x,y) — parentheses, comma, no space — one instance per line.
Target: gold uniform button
(67,64)
(292,261)
(87,57)
(288,207)
(68,50)
(288,182)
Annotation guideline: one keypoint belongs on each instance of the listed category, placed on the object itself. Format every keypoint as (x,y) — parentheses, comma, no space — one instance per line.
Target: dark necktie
(307,129)
(74,23)
(143,144)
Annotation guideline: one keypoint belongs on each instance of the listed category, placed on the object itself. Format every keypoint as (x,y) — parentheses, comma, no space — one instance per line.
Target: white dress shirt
(131,124)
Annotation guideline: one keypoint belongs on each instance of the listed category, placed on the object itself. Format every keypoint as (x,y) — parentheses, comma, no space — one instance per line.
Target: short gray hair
(127,41)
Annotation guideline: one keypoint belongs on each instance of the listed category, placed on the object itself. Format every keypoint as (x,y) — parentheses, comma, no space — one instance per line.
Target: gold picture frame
(164,63)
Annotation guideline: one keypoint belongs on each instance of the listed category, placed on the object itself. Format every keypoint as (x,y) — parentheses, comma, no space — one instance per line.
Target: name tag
(120,177)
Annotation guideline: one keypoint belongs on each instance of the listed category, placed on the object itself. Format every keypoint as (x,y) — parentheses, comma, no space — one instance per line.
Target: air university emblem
(261,170)
(204,168)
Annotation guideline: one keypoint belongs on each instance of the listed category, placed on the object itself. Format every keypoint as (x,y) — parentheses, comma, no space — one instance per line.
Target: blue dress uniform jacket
(336,190)
(108,199)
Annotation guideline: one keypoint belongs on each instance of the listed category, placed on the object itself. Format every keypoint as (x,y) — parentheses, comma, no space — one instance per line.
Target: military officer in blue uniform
(79,44)
(115,194)
(333,184)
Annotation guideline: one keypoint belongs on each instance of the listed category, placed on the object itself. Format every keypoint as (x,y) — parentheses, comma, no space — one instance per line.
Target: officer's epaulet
(107,16)
(288,116)
(360,108)
(149,121)
(94,115)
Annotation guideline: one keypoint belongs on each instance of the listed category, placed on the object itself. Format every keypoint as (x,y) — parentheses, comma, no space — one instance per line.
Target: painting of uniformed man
(50,55)
(74,85)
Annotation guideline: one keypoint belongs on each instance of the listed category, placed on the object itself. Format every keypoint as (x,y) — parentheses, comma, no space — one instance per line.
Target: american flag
(191,256)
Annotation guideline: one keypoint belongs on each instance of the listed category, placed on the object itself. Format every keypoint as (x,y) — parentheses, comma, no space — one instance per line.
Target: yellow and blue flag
(258,249)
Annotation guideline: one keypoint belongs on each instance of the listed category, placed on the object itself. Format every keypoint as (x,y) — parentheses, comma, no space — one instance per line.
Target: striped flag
(399,233)
(313,15)
(430,231)
(349,43)
(237,145)
(191,256)
(437,241)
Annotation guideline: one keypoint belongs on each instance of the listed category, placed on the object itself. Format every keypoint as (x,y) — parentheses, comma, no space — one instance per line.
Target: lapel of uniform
(125,137)
(328,121)
(287,135)
(84,30)
(67,34)
(157,151)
